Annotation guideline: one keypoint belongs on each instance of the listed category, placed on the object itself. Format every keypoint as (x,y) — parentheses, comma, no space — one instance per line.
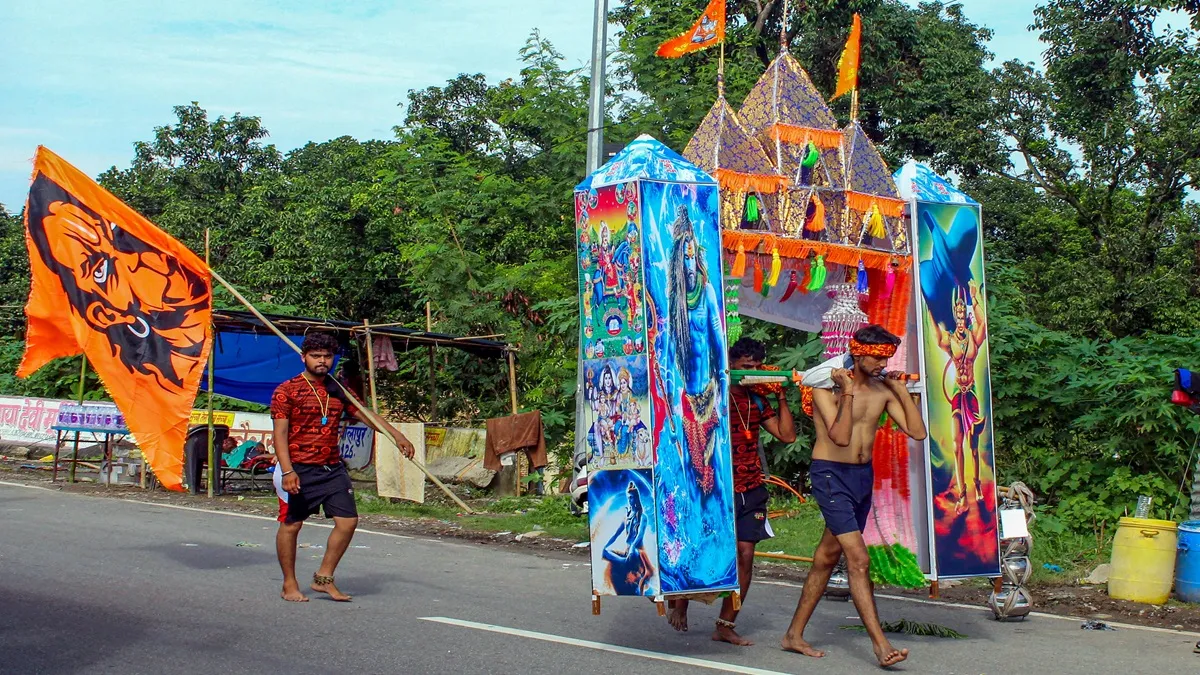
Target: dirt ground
(1085,602)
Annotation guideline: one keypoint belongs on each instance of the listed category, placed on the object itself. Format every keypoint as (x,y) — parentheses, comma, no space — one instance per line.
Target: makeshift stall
(654,381)
(103,422)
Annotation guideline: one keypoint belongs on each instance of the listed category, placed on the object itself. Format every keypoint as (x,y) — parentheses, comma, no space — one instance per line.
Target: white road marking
(24,485)
(602,646)
(1041,615)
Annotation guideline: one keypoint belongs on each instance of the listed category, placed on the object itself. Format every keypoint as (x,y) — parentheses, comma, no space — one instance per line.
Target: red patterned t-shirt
(301,402)
(745,423)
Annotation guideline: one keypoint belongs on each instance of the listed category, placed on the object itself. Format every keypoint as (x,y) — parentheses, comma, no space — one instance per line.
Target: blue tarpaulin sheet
(250,365)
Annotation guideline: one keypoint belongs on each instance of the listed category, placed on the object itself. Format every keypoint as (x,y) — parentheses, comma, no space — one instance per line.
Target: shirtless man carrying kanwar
(846,420)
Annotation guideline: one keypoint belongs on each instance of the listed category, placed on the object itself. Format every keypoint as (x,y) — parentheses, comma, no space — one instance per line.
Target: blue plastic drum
(1187,567)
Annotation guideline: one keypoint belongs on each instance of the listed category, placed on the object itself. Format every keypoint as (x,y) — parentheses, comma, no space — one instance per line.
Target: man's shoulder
(289,386)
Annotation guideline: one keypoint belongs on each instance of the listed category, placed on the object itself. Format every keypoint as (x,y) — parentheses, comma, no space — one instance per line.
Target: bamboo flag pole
(212,459)
(349,394)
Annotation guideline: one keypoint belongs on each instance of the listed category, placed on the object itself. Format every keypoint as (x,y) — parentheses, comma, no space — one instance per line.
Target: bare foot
(329,589)
(799,646)
(677,617)
(889,656)
(961,507)
(292,594)
(724,634)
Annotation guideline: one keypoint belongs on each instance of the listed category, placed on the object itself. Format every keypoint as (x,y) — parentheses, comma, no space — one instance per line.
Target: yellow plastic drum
(1143,560)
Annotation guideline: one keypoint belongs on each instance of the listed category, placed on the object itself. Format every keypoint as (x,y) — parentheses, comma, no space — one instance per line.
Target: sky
(88,78)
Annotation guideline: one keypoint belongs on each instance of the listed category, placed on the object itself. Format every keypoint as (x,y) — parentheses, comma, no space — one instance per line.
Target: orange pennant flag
(708,30)
(109,284)
(848,64)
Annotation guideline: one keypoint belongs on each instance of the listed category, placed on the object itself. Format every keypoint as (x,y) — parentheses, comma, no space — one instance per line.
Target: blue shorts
(843,491)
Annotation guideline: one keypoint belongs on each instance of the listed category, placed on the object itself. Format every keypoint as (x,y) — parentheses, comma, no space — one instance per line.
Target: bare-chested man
(962,345)
(846,419)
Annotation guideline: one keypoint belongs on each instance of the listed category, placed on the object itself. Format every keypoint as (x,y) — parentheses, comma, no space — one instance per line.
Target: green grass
(508,514)
(798,531)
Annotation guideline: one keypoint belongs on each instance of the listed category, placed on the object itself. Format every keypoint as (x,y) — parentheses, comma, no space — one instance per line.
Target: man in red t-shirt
(749,413)
(306,415)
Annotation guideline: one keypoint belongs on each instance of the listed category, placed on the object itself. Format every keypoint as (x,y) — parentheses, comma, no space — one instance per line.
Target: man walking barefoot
(306,411)
(750,414)
(846,420)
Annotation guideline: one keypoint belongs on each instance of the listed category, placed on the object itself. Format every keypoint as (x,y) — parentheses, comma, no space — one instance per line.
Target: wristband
(287,472)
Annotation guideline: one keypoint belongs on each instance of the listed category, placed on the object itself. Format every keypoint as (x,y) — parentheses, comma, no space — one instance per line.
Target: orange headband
(882,351)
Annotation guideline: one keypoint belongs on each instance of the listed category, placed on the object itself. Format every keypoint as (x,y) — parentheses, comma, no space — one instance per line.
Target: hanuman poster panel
(616,412)
(954,328)
(689,387)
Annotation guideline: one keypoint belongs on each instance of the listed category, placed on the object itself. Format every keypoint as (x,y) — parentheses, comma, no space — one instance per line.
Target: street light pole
(595,140)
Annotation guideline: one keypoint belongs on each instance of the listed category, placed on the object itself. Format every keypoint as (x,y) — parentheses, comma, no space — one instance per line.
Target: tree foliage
(1086,165)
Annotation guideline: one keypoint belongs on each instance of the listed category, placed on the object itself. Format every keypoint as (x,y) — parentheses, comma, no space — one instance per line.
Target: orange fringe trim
(735,181)
(822,138)
(835,254)
(863,202)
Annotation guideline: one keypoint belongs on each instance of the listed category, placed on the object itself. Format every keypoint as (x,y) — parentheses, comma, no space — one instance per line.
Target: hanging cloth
(385,356)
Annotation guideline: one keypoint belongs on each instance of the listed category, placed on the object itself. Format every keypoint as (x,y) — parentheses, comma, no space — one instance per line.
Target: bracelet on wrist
(288,472)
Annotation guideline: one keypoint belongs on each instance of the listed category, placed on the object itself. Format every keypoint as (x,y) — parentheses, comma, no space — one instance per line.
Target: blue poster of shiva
(622,532)
(689,387)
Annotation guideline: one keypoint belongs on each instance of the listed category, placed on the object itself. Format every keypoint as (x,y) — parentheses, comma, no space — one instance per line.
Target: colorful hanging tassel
(758,277)
(889,282)
(751,209)
(776,268)
(876,228)
(863,287)
(811,156)
(733,320)
(818,274)
(793,281)
(816,212)
(739,262)
(804,283)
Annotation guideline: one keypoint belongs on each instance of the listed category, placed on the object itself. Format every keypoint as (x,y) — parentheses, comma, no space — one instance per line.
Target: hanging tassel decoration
(793,282)
(807,280)
(733,320)
(739,262)
(818,274)
(751,209)
(758,277)
(776,268)
(863,287)
(876,228)
(817,222)
(889,282)
(808,163)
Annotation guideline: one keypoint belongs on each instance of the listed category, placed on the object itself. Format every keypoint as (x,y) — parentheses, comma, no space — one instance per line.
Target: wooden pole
(212,459)
(433,392)
(79,396)
(375,419)
(512,393)
(371,366)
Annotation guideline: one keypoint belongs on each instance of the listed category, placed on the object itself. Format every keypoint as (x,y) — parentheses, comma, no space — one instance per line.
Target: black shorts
(843,491)
(750,514)
(322,487)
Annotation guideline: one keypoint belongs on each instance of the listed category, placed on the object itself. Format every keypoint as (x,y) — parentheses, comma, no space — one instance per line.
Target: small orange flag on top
(848,64)
(708,30)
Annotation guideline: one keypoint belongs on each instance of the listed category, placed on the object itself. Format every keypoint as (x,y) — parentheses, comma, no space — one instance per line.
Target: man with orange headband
(846,419)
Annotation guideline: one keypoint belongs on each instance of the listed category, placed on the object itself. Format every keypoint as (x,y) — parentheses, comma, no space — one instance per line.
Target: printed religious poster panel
(689,387)
(954,329)
(612,318)
(623,532)
(617,414)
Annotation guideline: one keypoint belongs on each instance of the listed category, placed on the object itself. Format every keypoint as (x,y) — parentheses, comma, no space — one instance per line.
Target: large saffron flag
(708,30)
(109,284)
(848,65)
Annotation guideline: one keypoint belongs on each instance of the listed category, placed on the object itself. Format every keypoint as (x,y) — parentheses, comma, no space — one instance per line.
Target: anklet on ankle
(722,623)
(322,580)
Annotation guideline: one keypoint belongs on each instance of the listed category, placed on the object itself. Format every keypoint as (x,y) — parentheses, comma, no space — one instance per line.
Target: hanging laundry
(385,356)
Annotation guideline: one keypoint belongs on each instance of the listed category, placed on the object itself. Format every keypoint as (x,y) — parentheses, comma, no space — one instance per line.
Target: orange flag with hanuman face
(109,284)
(848,64)
(708,30)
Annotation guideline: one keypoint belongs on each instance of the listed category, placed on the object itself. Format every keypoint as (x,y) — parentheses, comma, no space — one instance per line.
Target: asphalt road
(94,585)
